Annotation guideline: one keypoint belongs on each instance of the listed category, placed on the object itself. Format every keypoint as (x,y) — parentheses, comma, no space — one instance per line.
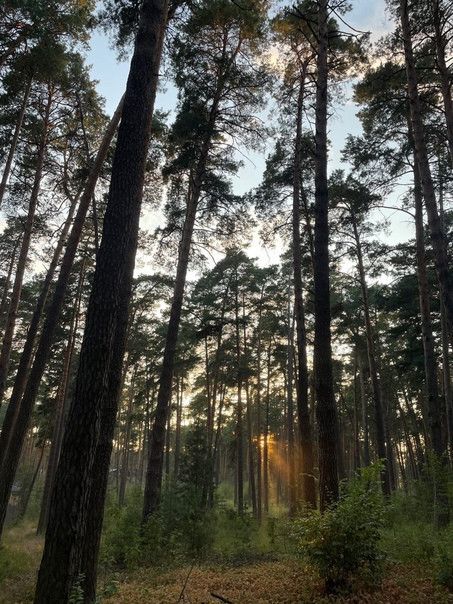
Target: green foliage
(343,543)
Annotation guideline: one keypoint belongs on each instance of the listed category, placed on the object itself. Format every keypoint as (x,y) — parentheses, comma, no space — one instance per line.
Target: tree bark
(60,411)
(29,346)
(14,141)
(444,72)
(25,405)
(325,401)
(437,234)
(73,533)
(24,249)
(305,432)
(4,302)
(382,450)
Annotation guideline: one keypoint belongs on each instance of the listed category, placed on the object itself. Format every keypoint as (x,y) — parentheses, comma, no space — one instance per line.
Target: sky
(366,15)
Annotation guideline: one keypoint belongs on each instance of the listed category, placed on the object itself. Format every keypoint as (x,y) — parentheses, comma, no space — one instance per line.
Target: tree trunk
(73,533)
(26,497)
(437,234)
(14,141)
(325,401)
(60,411)
(444,72)
(23,253)
(292,484)
(305,432)
(29,346)
(4,302)
(266,435)
(196,180)
(25,406)
(127,436)
(239,412)
(372,363)
(363,396)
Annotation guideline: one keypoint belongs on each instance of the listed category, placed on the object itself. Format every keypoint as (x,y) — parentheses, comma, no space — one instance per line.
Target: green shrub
(343,542)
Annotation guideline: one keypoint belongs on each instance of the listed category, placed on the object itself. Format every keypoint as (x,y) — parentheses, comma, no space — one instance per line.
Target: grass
(19,559)
(250,564)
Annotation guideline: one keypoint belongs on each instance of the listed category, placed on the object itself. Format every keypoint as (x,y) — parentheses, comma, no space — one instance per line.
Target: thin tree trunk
(50,323)
(26,499)
(266,435)
(29,346)
(127,436)
(444,72)
(325,401)
(372,363)
(366,432)
(196,180)
(292,484)
(14,141)
(239,413)
(10,326)
(4,302)
(259,461)
(73,533)
(60,410)
(437,234)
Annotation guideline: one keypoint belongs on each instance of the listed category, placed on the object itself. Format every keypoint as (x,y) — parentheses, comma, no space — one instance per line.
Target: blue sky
(366,15)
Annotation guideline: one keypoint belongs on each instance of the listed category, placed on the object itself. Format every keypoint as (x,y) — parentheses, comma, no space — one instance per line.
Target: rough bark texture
(25,406)
(76,501)
(325,403)
(305,432)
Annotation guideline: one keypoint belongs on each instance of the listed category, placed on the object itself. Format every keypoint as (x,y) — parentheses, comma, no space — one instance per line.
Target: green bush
(343,542)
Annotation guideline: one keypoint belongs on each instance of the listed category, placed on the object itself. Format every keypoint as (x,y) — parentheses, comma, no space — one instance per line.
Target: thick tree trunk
(14,141)
(305,432)
(73,533)
(25,406)
(325,401)
(382,449)
(437,234)
(439,21)
(10,326)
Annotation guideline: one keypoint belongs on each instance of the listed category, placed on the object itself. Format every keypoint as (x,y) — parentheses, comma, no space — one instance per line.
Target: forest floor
(261,582)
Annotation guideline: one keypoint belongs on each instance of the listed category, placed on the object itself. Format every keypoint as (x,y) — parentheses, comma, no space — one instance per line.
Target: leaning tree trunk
(60,411)
(29,346)
(14,141)
(26,404)
(305,433)
(444,72)
(438,239)
(77,500)
(372,363)
(10,326)
(325,401)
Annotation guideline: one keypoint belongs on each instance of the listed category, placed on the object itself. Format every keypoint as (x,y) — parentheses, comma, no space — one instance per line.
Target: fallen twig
(221,598)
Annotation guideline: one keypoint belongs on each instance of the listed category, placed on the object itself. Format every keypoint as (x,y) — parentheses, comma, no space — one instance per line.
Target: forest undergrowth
(361,550)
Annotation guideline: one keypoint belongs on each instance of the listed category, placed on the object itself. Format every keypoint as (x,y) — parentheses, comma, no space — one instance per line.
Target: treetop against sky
(366,15)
